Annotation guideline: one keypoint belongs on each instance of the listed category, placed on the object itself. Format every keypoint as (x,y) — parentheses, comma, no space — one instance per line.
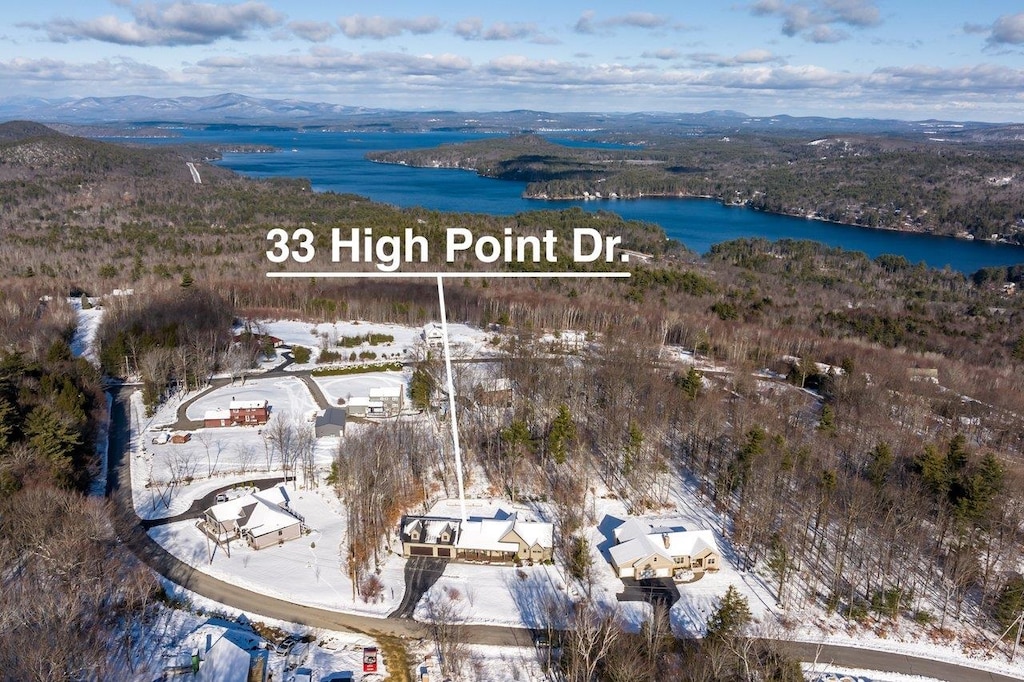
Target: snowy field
(408,343)
(309,570)
(495,594)
(214,457)
(345,386)
(482,662)
(287,396)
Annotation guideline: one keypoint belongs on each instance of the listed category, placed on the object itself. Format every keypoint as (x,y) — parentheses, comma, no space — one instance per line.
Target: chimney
(664,539)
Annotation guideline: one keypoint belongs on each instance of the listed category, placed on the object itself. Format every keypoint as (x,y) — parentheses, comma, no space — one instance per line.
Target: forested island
(969,188)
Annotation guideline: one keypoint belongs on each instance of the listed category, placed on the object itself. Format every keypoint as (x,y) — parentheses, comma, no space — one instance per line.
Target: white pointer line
(455,275)
(451,399)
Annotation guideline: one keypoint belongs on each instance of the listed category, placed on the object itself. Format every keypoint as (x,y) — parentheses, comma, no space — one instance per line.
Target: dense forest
(941,187)
(861,434)
(73,598)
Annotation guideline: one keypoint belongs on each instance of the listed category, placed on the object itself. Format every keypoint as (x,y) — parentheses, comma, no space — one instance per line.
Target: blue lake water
(334,161)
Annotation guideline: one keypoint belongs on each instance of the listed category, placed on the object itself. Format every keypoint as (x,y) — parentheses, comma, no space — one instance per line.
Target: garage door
(421,551)
(445,552)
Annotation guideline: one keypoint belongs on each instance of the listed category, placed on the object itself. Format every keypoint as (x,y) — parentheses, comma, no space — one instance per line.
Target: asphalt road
(131,532)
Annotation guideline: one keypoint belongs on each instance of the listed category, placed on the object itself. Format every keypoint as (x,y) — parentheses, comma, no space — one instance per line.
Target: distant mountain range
(226,108)
(241,110)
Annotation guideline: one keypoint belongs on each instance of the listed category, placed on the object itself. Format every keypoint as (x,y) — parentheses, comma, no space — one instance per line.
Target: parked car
(221,497)
(285,645)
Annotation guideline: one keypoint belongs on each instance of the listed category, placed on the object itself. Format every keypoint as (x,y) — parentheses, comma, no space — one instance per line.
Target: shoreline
(745,205)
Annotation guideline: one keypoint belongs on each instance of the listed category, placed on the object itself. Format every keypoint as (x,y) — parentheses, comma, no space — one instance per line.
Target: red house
(249,411)
(239,413)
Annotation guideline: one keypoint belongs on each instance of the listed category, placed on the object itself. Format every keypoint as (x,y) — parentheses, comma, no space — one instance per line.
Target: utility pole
(1019,623)
(1016,641)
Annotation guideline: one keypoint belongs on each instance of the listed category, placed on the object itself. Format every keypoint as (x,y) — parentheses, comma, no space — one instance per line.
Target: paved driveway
(421,572)
(650,590)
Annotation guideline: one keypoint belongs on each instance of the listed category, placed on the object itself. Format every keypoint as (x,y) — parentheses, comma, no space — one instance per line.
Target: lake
(334,161)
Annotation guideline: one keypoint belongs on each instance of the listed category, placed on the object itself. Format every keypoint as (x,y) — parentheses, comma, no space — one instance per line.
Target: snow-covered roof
(496,385)
(247,404)
(489,534)
(224,651)
(259,513)
(221,413)
(364,401)
(483,534)
(486,535)
(225,662)
(386,392)
(268,519)
(535,532)
(631,529)
(638,540)
(432,528)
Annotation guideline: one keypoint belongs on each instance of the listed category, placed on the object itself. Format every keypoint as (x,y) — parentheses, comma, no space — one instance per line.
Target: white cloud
(473,29)
(980,79)
(666,53)
(756,56)
(379,28)
(313,31)
(167,23)
(586,24)
(121,71)
(639,20)
(1008,30)
(818,20)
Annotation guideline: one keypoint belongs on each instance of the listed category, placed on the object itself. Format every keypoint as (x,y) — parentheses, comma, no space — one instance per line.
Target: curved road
(132,533)
(183,423)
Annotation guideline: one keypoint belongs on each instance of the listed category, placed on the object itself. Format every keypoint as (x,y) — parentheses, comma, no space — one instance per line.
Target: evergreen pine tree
(732,615)
(563,431)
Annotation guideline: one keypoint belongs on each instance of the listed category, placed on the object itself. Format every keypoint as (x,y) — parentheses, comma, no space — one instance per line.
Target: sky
(904,59)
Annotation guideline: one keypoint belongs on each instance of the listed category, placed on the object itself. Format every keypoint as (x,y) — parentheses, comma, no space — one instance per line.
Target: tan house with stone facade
(644,550)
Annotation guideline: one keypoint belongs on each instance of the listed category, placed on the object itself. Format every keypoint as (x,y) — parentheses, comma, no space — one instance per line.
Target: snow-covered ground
(485,663)
(176,631)
(829,673)
(214,457)
(83,342)
(348,385)
(408,341)
(286,396)
(696,600)
(309,570)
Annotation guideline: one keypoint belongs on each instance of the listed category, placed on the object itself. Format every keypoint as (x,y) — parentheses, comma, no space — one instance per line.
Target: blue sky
(905,59)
